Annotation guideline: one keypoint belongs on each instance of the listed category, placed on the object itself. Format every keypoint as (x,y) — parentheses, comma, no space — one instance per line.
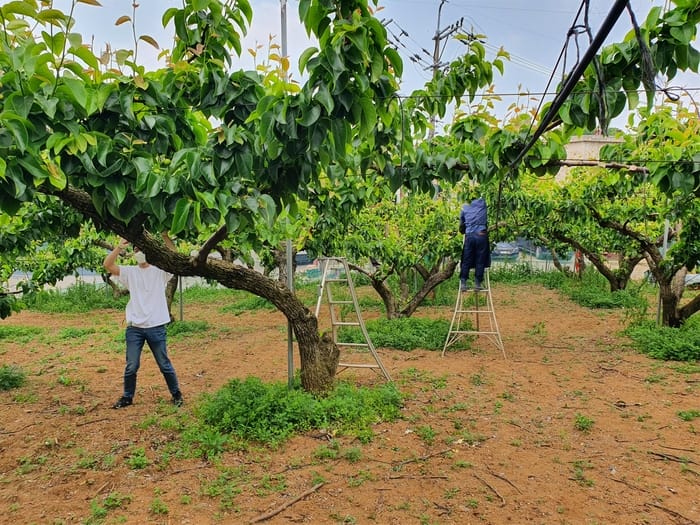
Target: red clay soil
(573,427)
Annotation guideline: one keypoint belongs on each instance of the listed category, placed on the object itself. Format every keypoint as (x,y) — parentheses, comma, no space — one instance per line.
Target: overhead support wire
(571,81)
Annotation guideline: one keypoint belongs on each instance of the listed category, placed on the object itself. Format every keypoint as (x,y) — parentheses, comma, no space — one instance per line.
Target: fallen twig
(402,476)
(628,484)
(503,500)
(503,478)
(672,513)
(18,430)
(520,426)
(423,458)
(671,457)
(288,504)
(681,449)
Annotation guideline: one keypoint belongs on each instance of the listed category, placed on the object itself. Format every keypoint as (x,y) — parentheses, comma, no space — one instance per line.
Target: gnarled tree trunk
(318,358)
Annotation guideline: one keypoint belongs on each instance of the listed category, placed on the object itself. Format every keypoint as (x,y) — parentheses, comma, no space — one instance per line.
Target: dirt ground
(572,428)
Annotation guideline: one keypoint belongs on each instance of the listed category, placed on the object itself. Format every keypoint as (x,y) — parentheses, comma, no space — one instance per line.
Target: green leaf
(19,104)
(36,171)
(117,188)
(369,115)
(86,56)
(52,16)
(323,96)
(181,216)
(309,116)
(306,56)
(76,89)
(200,5)
(395,61)
(54,42)
(18,8)
(17,127)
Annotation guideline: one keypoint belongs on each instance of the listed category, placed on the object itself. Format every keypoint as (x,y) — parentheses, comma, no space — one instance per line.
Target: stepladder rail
(474,316)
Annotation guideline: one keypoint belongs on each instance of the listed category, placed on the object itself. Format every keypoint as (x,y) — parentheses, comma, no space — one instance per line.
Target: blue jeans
(475,254)
(155,337)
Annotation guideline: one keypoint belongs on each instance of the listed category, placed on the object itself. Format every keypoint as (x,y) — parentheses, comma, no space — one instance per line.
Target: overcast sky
(534,32)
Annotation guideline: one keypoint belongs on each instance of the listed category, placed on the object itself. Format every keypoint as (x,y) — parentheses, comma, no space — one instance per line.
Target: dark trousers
(475,254)
(156,339)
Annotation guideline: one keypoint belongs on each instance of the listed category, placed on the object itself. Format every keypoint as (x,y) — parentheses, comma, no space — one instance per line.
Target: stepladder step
(336,278)
(474,315)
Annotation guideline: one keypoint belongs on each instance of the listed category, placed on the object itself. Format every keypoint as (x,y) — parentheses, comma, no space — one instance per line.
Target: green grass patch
(405,333)
(689,415)
(515,273)
(11,377)
(591,290)
(79,298)
(75,333)
(271,413)
(208,294)
(666,343)
(248,304)
(19,334)
(186,328)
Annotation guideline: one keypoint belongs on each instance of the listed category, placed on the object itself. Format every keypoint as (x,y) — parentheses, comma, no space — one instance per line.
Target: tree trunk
(170,290)
(617,278)
(440,273)
(437,275)
(386,295)
(280,257)
(318,359)
(318,356)
(670,293)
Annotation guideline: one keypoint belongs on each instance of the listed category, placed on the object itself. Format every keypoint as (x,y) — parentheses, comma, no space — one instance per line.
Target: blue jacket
(473,217)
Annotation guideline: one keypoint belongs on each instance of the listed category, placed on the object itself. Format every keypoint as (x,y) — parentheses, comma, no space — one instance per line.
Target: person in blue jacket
(476,252)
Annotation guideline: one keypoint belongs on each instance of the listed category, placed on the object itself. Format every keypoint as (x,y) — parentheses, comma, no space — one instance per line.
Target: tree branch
(211,243)
(601,164)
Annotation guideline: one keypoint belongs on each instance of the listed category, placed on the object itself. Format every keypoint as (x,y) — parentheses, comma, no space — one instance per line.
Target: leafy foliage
(248,303)
(591,290)
(271,413)
(11,377)
(185,328)
(667,343)
(404,333)
(18,334)
(79,298)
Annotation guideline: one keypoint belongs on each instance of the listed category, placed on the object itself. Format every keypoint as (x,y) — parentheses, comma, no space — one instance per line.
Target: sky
(533,32)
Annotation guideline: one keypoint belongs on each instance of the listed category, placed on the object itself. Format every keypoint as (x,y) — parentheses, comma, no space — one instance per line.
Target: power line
(543,93)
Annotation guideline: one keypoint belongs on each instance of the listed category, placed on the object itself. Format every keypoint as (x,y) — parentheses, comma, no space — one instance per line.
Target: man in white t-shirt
(147,315)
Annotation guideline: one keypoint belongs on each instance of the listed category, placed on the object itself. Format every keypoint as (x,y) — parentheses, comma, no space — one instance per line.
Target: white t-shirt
(147,306)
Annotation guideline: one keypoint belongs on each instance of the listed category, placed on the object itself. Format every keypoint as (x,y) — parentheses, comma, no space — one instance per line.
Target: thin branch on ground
(272,513)
(630,485)
(404,476)
(503,500)
(670,457)
(672,513)
(503,478)
(423,458)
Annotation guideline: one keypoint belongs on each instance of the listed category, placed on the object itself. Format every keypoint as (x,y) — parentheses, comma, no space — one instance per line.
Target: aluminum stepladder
(476,311)
(336,270)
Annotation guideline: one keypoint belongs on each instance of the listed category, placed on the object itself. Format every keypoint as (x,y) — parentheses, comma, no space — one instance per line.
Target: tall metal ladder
(477,310)
(336,270)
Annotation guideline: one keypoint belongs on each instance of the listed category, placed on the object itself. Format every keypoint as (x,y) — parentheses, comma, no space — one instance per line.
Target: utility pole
(288,242)
(441,35)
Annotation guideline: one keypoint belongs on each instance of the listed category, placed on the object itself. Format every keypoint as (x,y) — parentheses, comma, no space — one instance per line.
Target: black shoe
(123,402)
(177,399)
